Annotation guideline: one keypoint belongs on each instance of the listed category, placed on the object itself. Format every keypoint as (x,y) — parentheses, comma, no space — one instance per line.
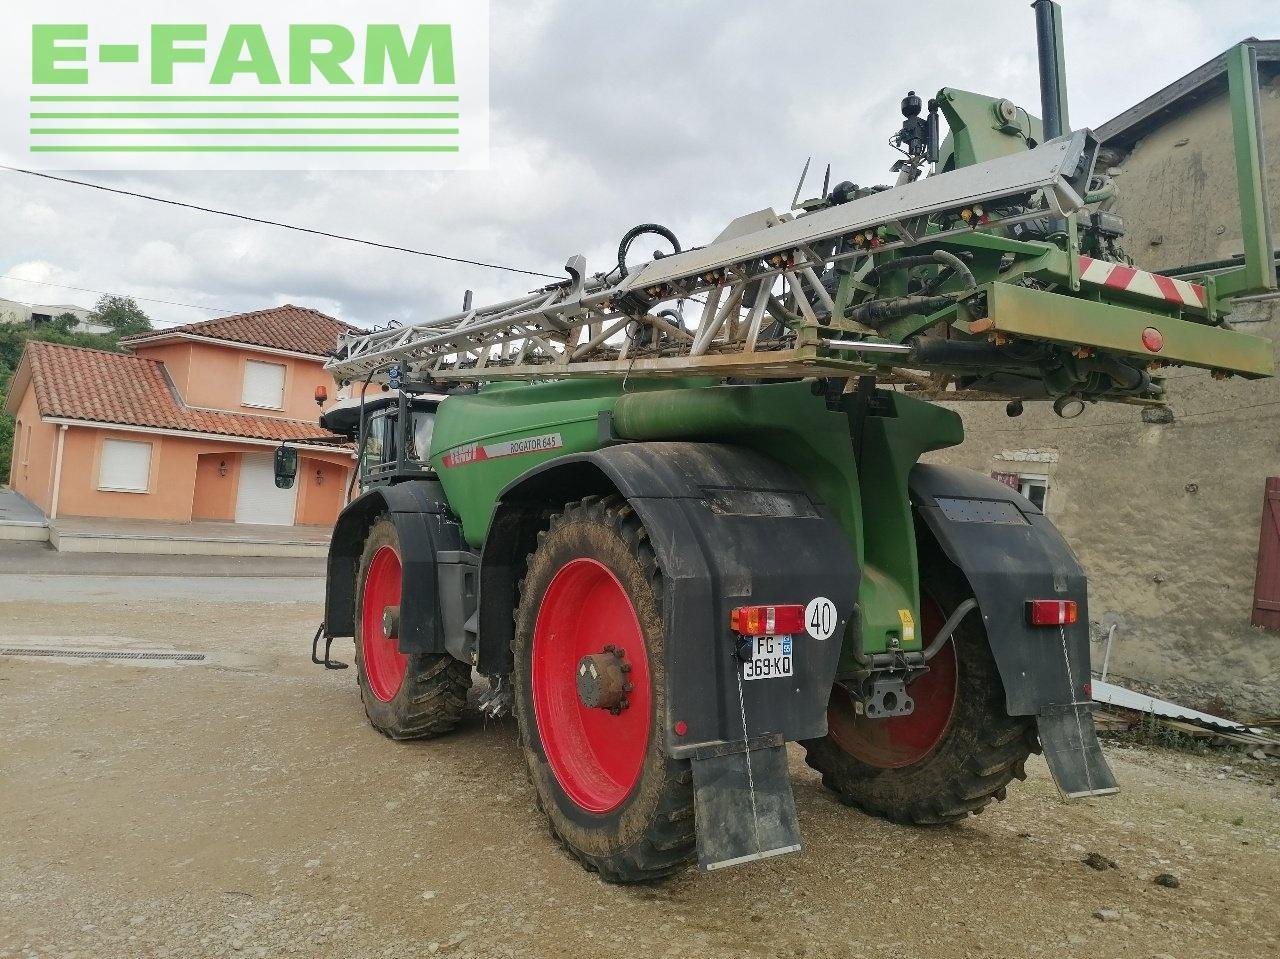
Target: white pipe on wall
(57,472)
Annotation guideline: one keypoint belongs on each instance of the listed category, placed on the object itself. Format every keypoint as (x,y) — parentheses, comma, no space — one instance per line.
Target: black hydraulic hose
(958,265)
(976,354)
(1124,378)
(944,257)
(875,274)
(875,312)
(364,435)
(781,313)
(639,231)
(949,627)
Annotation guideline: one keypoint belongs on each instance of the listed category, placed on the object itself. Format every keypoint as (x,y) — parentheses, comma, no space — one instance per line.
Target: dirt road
(242,807)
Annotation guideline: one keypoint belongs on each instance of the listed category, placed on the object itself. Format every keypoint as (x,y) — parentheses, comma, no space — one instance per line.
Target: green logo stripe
(244,148)
(244,116)
(215,131)
(118,53)
(243,99)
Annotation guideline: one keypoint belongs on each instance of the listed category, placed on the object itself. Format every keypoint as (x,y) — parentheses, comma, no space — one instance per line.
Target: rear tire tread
(667,844)
(433,696)
(964,775)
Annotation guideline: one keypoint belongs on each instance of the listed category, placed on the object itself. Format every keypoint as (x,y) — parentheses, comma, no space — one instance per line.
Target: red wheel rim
(384,664)
(901,740)
(595,755)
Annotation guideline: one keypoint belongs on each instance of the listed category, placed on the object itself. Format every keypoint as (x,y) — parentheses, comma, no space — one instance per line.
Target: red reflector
(1052,612)
(681,727)
(1153,339)
(767,620)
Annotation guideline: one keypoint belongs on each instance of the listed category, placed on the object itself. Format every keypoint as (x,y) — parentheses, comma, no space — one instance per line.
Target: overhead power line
(277,223)
(145,299)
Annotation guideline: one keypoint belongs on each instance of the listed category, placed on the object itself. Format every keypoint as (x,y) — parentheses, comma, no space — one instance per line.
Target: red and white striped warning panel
(1132,280)
(476,452)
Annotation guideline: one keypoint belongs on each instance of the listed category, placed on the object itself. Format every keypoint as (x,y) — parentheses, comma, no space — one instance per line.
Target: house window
(125,466)
(263,385)
(1034,486)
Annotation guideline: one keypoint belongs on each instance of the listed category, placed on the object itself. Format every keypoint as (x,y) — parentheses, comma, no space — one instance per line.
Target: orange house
(184,427)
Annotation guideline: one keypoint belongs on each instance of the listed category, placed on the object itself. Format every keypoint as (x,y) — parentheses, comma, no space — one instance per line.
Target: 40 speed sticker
(820,618)
(475,452)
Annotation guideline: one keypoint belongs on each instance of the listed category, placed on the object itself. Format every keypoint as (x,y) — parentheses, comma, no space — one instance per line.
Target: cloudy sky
(603,115)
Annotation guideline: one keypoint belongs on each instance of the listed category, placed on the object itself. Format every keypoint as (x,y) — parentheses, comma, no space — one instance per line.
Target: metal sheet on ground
(1112,695)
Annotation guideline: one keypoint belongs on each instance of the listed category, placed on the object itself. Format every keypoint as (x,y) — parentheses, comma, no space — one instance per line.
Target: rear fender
(1010,553)
(730,527)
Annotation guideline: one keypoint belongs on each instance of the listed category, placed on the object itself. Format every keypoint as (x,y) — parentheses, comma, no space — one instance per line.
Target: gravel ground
(242,807)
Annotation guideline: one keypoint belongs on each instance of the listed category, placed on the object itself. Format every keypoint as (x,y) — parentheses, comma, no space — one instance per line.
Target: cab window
(379,444)
(423,423)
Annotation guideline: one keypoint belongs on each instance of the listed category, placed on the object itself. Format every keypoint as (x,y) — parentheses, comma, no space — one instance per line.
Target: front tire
(953,756)
(405,696)
(592,597)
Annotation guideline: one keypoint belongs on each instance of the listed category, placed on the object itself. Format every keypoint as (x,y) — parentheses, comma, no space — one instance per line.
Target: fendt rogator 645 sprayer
(673,512)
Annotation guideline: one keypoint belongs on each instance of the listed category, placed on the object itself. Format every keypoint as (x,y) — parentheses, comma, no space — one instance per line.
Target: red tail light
(1052,612)
(767,620)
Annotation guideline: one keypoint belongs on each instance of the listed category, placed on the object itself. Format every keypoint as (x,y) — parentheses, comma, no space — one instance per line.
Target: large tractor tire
(951,757)
(590,696)
(405,696)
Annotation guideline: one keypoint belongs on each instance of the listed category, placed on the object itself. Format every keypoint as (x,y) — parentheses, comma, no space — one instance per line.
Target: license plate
(770,658)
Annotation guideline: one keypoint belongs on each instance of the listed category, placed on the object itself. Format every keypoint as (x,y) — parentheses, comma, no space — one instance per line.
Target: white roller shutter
(263,385)
(125,466)
(258,499)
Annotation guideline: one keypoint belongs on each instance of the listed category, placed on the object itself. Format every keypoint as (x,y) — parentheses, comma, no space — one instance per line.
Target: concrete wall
(14,312)
(1165,519)
(1177,187)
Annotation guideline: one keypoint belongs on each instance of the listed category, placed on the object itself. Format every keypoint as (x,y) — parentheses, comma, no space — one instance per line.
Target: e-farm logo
(144,84)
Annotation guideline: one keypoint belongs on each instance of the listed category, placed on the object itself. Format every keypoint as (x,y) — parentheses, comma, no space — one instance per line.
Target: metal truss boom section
(765,287)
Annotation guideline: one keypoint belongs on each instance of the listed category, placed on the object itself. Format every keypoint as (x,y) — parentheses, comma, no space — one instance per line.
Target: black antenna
(795,200)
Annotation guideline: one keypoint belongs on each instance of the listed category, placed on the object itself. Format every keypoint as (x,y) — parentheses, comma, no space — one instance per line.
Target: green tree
(122,314)
(65,322)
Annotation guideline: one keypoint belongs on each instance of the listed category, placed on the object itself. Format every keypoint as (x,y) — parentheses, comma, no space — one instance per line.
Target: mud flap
(743,806)
(1073,752)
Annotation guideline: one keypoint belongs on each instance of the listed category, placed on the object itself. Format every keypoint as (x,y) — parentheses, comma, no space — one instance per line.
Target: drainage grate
(104,654)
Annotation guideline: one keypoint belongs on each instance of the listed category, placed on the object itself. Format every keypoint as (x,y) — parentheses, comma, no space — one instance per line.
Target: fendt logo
(239,85)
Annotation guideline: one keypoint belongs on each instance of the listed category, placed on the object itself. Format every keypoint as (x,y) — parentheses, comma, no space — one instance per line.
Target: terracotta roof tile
(295,328)
(72,382)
